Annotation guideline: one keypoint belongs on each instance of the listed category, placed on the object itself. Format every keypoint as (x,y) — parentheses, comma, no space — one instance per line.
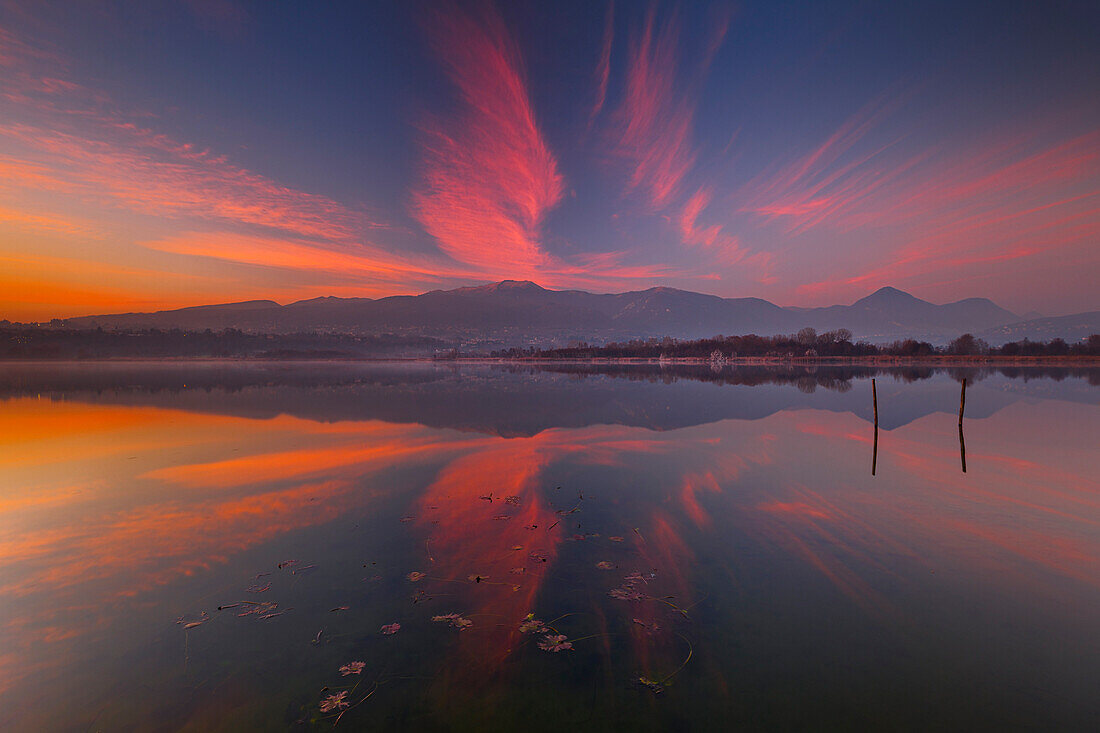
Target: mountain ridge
(518,312)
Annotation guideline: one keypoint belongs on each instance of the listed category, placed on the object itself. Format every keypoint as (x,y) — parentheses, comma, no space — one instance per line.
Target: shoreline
(1089,361)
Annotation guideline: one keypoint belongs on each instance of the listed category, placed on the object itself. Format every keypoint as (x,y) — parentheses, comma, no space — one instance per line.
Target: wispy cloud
(488,177)
(936,207)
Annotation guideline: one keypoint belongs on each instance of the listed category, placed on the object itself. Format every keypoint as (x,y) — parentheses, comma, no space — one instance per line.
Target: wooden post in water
(874,398)
(962,447)
(962,402)
(874,451)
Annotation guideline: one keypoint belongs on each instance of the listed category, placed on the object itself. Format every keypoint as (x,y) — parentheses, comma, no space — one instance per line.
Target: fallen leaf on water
(286,564)
(415,576)
(655,687)
(605,565)
(193,624)
(530,623)
(615,539)
(258,588)
(476,578)
(258,609)
(352,668)
(625,593)
(502,517)
(513,500)
(335,702)
(515,548)
(455,620)
(517,571)
(554,643)
(391,628)
(339,608)
(408,518)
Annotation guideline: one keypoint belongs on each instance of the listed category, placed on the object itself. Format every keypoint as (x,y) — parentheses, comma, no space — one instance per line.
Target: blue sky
(165,154)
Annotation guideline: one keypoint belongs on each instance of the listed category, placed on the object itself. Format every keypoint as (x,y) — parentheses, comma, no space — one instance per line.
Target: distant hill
(1071,328)
(511,313)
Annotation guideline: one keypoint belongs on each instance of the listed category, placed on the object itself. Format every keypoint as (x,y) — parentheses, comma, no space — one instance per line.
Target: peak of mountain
(521,312)
(888,295)
(504,286)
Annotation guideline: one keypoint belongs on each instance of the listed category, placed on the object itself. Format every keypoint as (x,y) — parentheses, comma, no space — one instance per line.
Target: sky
(166,154)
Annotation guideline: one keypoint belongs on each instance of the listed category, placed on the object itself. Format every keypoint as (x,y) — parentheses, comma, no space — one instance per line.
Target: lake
(432,546)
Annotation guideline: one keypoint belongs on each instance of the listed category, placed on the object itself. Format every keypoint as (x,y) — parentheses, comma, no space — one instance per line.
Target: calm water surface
(204,546)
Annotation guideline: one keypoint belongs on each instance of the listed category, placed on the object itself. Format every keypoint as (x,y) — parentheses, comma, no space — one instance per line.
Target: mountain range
(511,313)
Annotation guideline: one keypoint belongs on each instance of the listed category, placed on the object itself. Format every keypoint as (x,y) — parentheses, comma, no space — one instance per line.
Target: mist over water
(711,544)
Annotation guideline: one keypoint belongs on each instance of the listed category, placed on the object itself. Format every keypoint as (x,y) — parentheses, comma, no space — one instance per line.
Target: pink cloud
(488,177)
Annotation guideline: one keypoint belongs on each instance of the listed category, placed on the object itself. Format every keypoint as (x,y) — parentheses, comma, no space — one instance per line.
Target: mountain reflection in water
(764,577)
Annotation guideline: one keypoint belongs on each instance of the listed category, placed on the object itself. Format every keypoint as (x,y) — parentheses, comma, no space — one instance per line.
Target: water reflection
(735,520)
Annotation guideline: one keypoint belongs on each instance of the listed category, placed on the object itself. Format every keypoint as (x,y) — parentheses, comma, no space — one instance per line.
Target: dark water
(711,545)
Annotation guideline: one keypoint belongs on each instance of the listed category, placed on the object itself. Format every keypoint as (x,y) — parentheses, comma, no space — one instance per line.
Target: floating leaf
(554,643)
(258,588)
(415,576)
(476,578)
(655,687)
(352,668)
(488,497)
(391,628)
(625,594)
(615,539)
(516,548)
(530,526)
(338,608)
(408,518)
(605,565)
(193,624)
(518,571)
(335,702)
(513,500)
(530,623)
(455,620)
(502,517)
(286,564)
